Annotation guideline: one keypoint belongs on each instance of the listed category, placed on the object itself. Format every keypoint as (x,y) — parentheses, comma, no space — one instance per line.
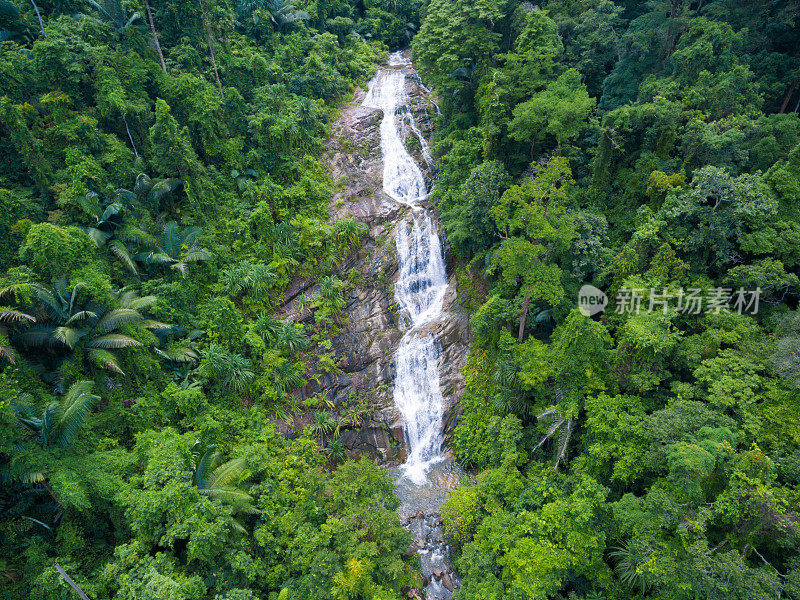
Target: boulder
(447,582)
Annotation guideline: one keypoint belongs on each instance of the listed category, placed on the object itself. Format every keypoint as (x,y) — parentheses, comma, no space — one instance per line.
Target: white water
(422,280)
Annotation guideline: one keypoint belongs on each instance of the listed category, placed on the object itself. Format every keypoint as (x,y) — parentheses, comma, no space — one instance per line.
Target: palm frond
(191,235)
(205,467)
(131,300)
(98,237)
(105,360)
(119,250)
(196,255)
(172,239)
(563,441)
(112,341)
(155,258)
(239,500)
(9,315)
(69,336)
(40,335)
(179,354)
(228,474)
(72,411)
(182,268)
(81,315)
(132,234)
(119,317)
(8,355)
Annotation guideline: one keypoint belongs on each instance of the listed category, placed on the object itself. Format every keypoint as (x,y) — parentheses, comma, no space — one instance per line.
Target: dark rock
(447,582)
(415,594)
(398,435)
(438,574)
(410,551)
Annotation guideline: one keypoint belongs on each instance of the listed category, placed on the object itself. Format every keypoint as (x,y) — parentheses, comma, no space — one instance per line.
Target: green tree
(171,146)
(74,329)
(560,110)
(467,216)
(534,223)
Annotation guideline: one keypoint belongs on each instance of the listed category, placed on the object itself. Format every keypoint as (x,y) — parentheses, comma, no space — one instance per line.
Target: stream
(428,475)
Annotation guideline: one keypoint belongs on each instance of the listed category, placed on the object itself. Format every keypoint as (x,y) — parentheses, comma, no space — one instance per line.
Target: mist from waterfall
(422,280)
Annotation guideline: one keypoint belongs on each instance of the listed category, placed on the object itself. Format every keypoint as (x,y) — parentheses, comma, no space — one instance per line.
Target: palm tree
(183,351)
(15,317)
(244,277)
(176,248)
(25,488)
(219,481)
(337,451)
(630,557)
(59,423)
(287,337)
(323,424)
(64,325)
(289,376)
(151,193)
(281,12)
(232,372)
(113,13)
(330,296)
(347,233)
(561,422)
(106,222)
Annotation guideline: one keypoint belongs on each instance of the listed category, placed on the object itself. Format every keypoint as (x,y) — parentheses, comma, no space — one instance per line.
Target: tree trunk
(210,41)
(523,317)
(155,35)
(788,97)
(130,137)
(71,583)
(39,16)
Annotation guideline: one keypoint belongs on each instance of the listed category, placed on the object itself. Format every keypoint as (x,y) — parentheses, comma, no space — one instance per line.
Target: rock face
(366,346)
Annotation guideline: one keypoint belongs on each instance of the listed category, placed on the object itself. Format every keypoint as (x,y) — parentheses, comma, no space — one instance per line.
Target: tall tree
(534,224)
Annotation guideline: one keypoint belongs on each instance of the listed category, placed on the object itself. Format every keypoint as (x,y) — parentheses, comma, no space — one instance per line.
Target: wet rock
(438,574)
(436,591)
(415,594)
(436,534)
(397,434)
(447,582)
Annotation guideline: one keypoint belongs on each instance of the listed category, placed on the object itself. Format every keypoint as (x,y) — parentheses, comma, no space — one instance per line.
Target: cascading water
(426,478)
(422,281)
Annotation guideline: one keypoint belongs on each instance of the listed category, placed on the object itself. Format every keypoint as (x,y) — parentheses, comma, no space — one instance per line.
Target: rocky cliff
(367,344)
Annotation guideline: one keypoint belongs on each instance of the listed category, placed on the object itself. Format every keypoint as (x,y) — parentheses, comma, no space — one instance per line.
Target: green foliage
(559,111)
(52,250)
(683,184)
(685,177)
(162,151)
(461,515)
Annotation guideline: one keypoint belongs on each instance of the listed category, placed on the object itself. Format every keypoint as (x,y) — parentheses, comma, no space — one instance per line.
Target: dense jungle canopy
(162,184)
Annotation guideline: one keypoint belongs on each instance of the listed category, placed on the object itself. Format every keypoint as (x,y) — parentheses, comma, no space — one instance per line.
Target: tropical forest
(399,299)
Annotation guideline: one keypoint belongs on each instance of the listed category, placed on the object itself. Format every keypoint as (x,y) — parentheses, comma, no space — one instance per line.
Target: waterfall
(422,279)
